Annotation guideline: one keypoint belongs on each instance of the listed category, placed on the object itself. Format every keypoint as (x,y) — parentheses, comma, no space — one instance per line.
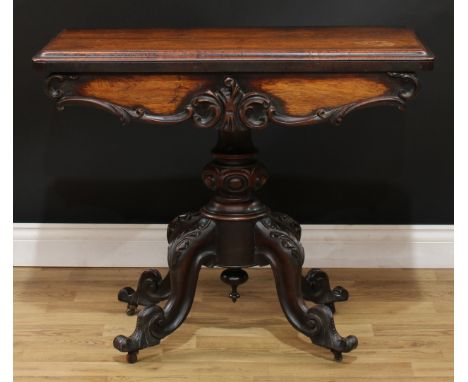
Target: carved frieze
(229,107)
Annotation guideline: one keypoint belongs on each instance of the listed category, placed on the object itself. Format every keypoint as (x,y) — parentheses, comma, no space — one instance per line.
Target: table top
(325,49)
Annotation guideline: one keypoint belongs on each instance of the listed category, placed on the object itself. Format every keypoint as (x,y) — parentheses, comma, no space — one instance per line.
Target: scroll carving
(230,108)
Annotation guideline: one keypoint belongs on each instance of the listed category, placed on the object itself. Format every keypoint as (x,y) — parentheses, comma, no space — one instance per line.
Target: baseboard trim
(144,245)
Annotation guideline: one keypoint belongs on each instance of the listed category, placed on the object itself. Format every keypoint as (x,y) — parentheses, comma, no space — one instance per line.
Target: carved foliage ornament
(230,108)
(285,238)
(185,239)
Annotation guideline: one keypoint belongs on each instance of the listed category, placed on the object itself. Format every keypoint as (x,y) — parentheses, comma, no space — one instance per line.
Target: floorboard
(65,320)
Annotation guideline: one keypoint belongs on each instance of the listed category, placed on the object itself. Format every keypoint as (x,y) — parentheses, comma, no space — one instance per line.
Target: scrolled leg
(315,285)
(316,288)
(142,337)
(321,318)
(191,249)
(151,289)
(285,254)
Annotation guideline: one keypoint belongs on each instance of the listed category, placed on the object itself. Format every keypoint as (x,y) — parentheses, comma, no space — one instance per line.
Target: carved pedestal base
(193,244)
(234,231)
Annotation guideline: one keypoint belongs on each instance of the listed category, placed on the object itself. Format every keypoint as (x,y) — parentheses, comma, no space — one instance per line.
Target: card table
(234,81)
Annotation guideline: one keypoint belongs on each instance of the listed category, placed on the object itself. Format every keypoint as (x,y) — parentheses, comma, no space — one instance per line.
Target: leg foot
(321,318)
(132,356)
(316,288)
(142,337)
(338,355)
(285,254)
(234,277)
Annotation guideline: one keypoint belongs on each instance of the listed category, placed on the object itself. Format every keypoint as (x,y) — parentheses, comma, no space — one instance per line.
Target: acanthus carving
(180,223)
(230,108)
(288,224)
(185,239)
(285,238)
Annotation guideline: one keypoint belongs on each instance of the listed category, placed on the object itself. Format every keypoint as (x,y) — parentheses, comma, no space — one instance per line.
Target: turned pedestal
(234,80)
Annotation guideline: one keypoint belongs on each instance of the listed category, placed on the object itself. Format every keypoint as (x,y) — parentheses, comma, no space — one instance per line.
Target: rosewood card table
(234,81)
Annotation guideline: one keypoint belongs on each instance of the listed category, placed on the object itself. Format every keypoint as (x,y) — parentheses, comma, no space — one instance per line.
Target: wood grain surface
(65,320)
(198,47)
(301,94)
(162,94)
(293,94)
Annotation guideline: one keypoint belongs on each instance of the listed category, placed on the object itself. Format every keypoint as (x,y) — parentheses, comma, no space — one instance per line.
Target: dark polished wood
(151,289)
(279,248)
(234,277)
(316,288)
(237,49)
(234,81)
(234,230)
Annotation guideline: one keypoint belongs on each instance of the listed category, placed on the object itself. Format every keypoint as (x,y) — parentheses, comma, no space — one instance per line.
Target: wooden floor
(65,321)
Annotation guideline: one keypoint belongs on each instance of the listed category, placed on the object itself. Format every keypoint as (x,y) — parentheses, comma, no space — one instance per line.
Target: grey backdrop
(380,167)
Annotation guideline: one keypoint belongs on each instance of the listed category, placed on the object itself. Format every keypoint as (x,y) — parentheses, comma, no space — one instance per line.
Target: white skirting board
(144,245)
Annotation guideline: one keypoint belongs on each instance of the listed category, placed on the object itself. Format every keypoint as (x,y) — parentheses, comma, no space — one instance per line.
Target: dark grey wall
(380,167)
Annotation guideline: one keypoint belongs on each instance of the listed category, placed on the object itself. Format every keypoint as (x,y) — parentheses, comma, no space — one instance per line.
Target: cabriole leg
(191,249)
(151,288)
(285,254)
(315,285)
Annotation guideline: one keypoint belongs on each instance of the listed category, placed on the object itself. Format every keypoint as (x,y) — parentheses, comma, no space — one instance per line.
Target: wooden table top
(323,49)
